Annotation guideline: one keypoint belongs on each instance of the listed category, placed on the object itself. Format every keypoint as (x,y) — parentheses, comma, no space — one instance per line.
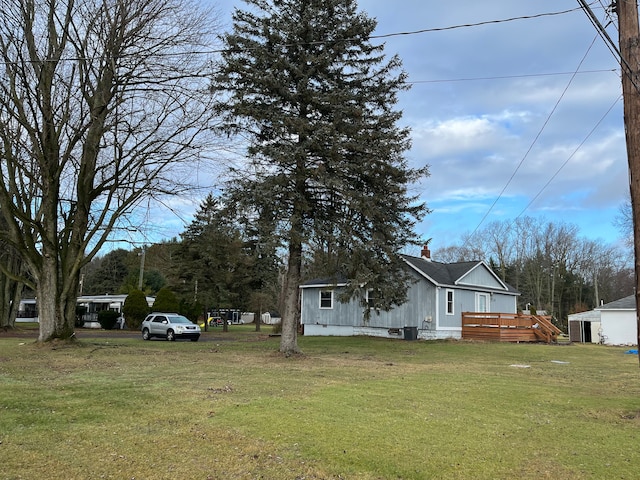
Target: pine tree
(212,257)
(166,301)
(135,308)
(316,99)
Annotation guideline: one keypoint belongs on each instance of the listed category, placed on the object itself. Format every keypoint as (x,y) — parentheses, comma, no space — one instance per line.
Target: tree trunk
(57,298)
(629,39)
(289,339)
(10,303)
(10,288)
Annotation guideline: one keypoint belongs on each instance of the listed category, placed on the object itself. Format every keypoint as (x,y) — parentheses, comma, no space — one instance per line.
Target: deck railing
(508,327)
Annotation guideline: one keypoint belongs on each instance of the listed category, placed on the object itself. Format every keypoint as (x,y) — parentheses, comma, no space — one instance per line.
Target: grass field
(349,408)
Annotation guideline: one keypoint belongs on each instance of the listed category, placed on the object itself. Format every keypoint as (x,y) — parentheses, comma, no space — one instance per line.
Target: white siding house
(28,311)
(618,322)
(95,303)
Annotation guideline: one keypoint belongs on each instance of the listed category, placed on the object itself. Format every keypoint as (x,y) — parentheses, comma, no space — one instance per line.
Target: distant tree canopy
(223,259)
(220,260)
(107,274)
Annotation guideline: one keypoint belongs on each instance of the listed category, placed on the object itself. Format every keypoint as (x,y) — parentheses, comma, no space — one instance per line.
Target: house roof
(450,274)
(323,282)
(588,316)
(440,274)
(626,303)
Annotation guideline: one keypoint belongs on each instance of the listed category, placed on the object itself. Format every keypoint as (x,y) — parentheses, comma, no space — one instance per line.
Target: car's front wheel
(170,335)
(195,339)
(145,334)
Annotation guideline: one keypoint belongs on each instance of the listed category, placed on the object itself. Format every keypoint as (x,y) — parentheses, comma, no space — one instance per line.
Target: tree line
(218,262)
(215,264)
(554,268)
(107,106)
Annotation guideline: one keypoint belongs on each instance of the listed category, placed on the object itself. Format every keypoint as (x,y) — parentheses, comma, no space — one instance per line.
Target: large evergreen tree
(316,99)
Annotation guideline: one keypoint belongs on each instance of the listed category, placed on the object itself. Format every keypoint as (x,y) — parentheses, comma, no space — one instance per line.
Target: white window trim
(320,299)
(370,290)
(487,302)
(446,301)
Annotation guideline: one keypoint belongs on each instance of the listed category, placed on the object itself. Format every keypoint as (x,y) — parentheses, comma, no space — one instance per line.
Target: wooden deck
(508,327)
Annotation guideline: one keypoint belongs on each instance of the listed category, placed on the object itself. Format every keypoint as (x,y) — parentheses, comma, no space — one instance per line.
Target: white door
(482,302)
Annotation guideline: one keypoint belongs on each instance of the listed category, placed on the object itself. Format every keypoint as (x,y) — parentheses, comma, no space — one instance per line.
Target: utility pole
(141,276)
(629,41)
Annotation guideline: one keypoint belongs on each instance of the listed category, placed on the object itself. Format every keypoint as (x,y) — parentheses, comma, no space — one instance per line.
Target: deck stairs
(544,329)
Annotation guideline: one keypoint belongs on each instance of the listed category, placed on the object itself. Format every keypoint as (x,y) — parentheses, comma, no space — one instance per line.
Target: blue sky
(515,118)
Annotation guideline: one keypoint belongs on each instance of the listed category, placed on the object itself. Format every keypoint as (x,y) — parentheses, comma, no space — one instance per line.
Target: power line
(328,41)
(535,140)
(601,30)
(509,77)
(613,48)
(477,24)
(568,159)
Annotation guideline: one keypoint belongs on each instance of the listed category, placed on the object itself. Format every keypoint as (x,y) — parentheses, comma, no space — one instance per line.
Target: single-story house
(436,300)
(28,310)
(613,323)
(96,303)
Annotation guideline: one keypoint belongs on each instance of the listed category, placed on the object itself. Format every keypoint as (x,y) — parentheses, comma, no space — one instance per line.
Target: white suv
(170,326)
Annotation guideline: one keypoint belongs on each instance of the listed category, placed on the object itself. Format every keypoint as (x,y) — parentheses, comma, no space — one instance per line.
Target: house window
(372,299)
(482,302)
(326,299)
(450,302)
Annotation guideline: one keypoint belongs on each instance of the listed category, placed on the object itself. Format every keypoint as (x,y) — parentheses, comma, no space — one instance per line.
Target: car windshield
(179,320)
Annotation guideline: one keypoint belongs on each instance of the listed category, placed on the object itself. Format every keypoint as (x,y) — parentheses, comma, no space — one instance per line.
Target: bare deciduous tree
(11,285)
(624,222)
(99,101)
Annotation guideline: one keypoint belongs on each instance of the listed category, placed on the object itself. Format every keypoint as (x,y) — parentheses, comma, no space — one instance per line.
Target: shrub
(166,301)
(108,319)
(135,308)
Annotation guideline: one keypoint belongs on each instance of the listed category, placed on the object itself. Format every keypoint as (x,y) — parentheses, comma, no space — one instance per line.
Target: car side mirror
(165,321)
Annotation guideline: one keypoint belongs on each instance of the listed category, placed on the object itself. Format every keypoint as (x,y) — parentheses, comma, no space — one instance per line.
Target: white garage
(613,323)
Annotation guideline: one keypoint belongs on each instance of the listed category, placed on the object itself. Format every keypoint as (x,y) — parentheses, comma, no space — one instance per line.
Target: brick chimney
(426,253)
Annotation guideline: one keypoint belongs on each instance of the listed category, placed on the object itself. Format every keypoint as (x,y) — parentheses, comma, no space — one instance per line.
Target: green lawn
(349,408)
